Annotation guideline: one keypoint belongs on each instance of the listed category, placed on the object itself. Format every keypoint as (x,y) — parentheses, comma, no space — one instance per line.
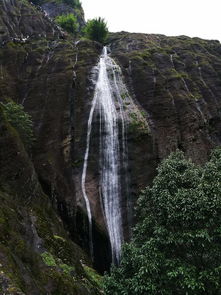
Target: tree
(21,121)
(176,248)
(96,29)
(68,23)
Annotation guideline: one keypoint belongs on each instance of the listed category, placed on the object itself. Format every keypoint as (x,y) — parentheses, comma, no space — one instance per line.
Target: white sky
(194,18)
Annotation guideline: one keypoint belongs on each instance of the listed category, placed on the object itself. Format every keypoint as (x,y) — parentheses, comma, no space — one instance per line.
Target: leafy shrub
(68,23)
(176,248)
(21,121)
(96,29)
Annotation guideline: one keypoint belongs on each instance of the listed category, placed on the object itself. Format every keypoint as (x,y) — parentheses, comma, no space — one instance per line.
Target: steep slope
(177,83)
(55,8)
(48,74)
(37,255)
(20,20)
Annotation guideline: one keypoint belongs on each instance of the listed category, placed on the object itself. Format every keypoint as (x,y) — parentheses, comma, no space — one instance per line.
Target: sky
(194,18)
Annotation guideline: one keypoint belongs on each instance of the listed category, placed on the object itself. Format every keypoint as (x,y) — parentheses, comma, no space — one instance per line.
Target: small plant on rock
(96,29)
(21,121)
(68,23)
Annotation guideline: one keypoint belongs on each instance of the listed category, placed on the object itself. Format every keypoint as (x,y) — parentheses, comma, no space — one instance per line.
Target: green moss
(52,261)
(94,276)
(138,125)
(173,74)
(20,120)
(48,259)
(65,284)
(67,268)
(59,238)
(124,95)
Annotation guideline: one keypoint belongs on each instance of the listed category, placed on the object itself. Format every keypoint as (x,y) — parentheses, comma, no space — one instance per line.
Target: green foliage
(176,247)
(21,121)
(51,261)
(48,259)
(94,276)
(137,125)
(67,269)
(68,23)
(96,29)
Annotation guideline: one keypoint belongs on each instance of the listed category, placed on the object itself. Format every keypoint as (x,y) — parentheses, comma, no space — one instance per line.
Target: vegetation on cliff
(36,254)
(68,22)
(96,29)
(176,246)
(20,120)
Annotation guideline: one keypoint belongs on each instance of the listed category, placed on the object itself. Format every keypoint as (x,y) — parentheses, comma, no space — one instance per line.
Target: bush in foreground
(176,248)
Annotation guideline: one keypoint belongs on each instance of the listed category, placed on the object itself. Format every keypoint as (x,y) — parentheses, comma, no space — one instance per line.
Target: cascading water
(107,101)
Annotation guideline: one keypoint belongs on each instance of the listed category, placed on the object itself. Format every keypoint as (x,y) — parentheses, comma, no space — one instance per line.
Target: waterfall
(107,102)
(83,178)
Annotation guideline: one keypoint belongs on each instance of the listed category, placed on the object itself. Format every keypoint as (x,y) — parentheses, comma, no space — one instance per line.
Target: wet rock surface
(54,9)
(176,80)
(21,21)
(176,83)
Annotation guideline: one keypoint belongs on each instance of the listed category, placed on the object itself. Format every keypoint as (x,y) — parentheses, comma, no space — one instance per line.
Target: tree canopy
(176,247)
(96,29)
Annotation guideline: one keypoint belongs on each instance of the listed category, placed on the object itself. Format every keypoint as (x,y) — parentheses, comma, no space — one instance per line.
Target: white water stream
(107,101)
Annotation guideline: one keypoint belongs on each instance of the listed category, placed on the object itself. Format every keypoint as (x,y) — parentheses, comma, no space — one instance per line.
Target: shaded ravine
(108,105)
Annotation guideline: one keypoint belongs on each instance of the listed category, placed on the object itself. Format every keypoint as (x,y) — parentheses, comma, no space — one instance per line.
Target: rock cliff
(175,83)
(38,255)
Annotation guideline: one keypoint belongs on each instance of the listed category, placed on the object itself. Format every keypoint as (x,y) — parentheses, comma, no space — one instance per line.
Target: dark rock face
(51,80)
(20,21)
(176,80)
(40,72)
(36,254)
(54,9)
(177,84)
